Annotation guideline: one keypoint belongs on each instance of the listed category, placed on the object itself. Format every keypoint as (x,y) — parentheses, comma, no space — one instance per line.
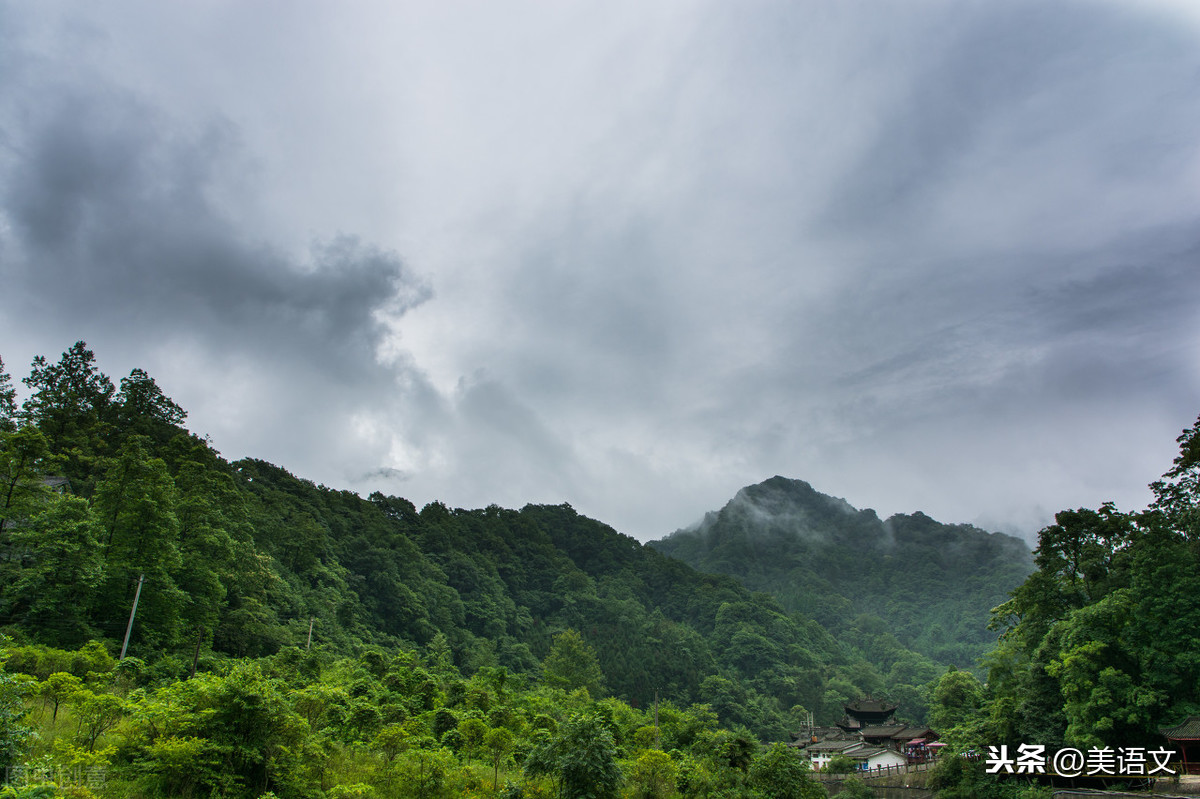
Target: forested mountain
(244,559)
(931,585)
(293,640)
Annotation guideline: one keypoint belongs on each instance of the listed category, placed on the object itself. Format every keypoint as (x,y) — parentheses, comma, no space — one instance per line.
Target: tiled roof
(830,732)
(909,733)
(1188,729)
(866,753)
(888,731)
(897,732)
(834,746)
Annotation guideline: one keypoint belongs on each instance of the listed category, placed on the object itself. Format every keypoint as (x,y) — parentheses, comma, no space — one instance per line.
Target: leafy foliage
(572,664)
(582,756)
(781,774)
(14,732)
(1099,645)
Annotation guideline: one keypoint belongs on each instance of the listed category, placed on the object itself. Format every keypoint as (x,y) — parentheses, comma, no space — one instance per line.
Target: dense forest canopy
(930,585)
(300,640)
(244,558)
(238,568)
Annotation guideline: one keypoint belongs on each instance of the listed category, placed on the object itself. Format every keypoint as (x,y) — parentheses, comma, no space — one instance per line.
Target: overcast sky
(934,255)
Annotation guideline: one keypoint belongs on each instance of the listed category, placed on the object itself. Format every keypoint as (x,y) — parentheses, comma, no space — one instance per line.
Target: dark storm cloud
(111,205)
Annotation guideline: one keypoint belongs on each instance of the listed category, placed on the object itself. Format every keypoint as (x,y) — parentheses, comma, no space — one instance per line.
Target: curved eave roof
(1187,730)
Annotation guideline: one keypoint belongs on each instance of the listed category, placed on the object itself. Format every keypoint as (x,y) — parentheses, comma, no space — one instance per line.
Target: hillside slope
(244,559)
(929,584)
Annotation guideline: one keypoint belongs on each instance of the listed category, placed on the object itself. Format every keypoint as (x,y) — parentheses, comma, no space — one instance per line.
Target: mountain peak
(822,556)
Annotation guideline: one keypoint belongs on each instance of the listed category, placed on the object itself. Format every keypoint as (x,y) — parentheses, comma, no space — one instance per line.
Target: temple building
(868,735)
(1185,737)
(867,712)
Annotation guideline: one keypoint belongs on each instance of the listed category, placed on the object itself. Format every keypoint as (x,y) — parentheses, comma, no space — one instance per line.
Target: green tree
(60,566)
(178,765)
(58,688)
(1107,698)
(840,764)
(421,773)
(70,402)
(135,504)
(14,731)
(955,777)
(96,714)
(780,773)
(572,664)
(210,514)
(582,756)
(1177,494)
(141,405)
(954,706)
(472,731)
(253,740)
(1098,646)
(726,697)
(25,459)
(391,741)
(1082,551)
(653,775)
(498,742)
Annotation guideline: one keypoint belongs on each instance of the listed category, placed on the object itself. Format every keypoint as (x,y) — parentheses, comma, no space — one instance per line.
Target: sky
(938,255)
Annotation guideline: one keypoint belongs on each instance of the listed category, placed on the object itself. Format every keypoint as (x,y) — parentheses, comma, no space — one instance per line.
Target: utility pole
(308,644)
(132,613)
(196,656)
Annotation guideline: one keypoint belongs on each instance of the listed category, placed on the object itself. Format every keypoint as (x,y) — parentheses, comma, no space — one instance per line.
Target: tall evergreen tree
(70,404)
(141,408)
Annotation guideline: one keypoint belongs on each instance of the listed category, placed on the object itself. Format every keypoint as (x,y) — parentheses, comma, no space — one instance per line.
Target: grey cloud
(134,229)
(1138,285)
(503,435)
(111,205)
(916,256)
(1020,87)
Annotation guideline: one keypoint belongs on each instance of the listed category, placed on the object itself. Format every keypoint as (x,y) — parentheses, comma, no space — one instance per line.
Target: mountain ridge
(246,560)
(819,555)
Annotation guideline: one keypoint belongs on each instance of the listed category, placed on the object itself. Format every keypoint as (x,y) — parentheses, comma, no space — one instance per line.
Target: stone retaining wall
(897,782)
